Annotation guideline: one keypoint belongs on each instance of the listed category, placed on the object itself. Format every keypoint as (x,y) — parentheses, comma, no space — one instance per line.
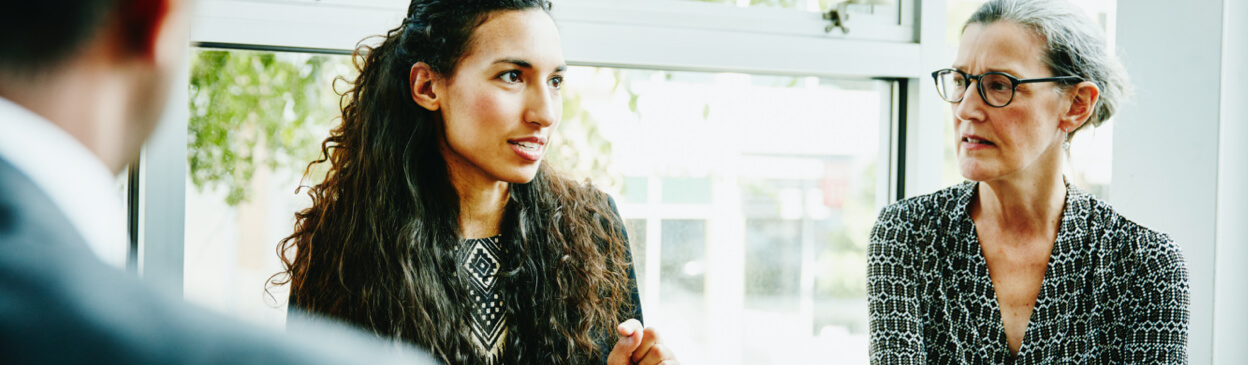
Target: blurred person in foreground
(82,85)
(1017,266)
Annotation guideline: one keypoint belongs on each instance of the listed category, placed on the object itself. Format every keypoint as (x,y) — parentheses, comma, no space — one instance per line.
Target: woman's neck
(481,207)
(481,198)
(1030,205)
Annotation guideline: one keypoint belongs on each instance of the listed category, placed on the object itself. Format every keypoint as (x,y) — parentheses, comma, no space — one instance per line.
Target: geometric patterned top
(1113,291)
(489,320)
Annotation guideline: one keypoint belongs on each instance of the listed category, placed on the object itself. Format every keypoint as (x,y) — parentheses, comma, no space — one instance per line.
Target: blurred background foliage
(579,150)
(254,110)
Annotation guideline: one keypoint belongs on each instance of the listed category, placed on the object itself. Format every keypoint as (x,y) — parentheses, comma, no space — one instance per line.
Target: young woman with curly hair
(437,223)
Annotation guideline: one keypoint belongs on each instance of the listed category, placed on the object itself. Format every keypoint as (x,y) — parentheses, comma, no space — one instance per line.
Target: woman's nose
(971,108)
(544,108)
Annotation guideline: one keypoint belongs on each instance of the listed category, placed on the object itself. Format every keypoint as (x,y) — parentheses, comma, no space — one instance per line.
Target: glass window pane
(764,192)
(682,287)
(636,229)
(636,190)
(683,190)
(257,119)
(745,196)
(684,258)
(773,263)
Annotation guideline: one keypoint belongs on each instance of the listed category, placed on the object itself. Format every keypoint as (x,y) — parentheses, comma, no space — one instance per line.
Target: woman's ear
(422,80)
(1082,104)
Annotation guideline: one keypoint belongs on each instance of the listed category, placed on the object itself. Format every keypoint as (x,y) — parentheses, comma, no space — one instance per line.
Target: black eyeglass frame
(979,85)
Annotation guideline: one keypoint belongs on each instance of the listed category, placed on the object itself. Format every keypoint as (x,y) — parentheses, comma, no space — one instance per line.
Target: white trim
(925,124)
(162,199)
(666,34)
(1230,321)
(299,25)
(701,50)
(886,162)
(674,15)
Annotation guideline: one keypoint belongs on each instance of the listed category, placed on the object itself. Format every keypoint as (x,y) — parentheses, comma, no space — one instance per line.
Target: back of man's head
(42,34)
(99,69)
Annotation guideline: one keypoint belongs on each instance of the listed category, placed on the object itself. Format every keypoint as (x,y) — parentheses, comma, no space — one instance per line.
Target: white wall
(1166,146)
(1230,329)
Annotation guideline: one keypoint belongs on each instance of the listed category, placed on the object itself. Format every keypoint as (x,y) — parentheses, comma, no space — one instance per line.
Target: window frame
(649,34)
(914,134)
(672,35)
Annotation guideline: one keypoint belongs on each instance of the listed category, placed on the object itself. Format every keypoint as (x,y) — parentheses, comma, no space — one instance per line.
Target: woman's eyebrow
(521,63)
(1010,71)
(515,61)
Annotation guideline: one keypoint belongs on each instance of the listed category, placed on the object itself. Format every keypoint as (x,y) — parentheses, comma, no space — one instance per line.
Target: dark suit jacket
(60,304)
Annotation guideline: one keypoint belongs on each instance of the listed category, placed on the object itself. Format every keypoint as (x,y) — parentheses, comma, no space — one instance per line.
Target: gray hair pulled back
(1075,46)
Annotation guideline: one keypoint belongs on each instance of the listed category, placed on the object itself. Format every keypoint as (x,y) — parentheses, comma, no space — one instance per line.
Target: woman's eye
(510,76)
(556,82)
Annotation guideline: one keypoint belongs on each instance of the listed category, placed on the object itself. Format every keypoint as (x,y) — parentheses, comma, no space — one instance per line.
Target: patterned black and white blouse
(480,258)
(1113,292)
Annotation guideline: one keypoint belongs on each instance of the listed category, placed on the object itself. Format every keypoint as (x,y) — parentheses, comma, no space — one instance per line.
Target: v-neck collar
(1071,238)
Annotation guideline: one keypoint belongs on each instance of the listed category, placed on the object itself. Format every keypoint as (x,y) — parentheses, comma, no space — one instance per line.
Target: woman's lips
(530,149)
(975,143)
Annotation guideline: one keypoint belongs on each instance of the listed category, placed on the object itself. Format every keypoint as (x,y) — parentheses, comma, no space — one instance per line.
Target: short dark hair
(43,33)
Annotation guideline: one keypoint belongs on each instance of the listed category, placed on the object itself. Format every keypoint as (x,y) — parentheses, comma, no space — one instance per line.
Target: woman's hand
(641,347)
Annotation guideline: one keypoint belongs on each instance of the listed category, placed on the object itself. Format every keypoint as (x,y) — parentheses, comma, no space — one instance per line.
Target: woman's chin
(522,175)
(975,172)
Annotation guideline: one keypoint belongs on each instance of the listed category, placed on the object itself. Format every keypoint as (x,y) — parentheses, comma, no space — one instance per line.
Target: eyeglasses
(996,88)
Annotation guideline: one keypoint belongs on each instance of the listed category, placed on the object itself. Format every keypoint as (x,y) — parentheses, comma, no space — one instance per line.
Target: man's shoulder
(58,295)
(26,210)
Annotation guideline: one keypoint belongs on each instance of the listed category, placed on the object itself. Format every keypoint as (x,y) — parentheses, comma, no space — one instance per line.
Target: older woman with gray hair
(1016,265)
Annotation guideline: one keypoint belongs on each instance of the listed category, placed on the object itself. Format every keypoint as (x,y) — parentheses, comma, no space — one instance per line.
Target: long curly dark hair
(378,246)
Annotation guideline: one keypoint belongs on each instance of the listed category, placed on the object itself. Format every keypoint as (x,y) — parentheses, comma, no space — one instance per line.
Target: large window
(256,120)
(749,152)
(747,197)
